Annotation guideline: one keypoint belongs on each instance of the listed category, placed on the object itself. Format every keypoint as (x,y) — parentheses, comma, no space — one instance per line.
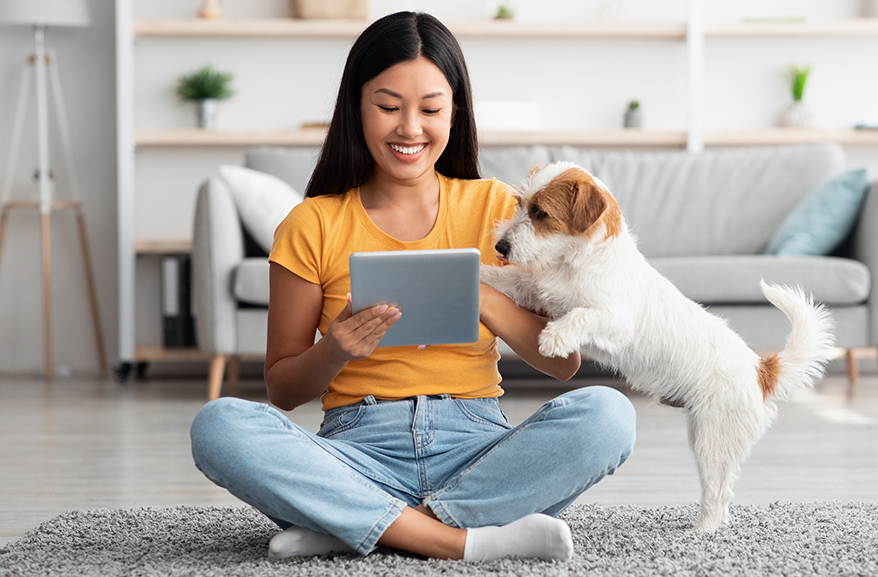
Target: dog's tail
(809,345)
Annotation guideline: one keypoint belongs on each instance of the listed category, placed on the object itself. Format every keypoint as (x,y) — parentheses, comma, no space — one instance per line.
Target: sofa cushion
(292,165)
(823,218)
(719,202)
(263,201)
(513,163)
(735,279)
(250,281)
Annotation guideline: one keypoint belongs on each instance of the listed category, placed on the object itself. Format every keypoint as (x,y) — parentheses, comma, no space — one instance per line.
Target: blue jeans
(459,457)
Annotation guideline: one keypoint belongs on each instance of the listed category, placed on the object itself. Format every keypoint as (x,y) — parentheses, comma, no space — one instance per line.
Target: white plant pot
(797,115)
(633,118)
(207,113)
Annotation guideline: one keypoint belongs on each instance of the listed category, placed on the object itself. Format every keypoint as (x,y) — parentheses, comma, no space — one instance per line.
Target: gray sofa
(702,220)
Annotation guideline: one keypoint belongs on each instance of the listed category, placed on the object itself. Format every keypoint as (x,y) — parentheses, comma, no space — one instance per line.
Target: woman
(414,452)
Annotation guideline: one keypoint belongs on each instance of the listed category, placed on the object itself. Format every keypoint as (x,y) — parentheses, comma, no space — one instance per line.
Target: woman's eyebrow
(397,95)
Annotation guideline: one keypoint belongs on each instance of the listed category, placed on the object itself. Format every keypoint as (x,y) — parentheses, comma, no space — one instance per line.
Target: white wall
(87,68)
(574,84)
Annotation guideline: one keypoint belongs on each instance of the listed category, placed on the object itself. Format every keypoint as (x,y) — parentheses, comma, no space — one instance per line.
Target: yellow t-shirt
(315,240)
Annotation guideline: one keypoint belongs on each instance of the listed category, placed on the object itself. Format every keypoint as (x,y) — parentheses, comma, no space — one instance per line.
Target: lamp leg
(92,293)
(54,82)
(17,128)
(46,258)
(3,215)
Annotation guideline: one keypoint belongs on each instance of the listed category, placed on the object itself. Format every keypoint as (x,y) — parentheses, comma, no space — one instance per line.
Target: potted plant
(797,114)
(205,87)
(504,12)
(633,115)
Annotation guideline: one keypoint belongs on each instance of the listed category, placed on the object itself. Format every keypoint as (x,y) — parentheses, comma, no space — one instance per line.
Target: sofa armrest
(865,249)
(217,249)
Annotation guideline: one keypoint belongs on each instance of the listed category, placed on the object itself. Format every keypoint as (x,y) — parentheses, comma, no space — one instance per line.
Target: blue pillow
(823,218)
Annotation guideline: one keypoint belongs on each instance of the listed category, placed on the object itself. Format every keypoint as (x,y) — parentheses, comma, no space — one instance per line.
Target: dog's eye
(537,213)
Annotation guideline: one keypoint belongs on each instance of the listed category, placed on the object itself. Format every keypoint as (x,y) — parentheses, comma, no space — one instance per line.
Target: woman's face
(407,113)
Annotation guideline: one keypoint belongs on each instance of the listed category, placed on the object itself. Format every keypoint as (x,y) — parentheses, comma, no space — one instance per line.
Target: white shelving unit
(693,33)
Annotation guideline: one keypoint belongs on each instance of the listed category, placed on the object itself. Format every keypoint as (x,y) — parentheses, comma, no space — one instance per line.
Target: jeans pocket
(483,412)
(340,419)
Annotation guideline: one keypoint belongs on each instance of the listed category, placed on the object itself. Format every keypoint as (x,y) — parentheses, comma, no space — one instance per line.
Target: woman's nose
(410,125)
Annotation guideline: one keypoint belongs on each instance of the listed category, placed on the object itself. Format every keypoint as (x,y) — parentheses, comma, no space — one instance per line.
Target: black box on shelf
(177,320)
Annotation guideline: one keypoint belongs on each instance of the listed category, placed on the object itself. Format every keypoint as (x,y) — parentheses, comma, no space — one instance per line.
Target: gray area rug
(782,539)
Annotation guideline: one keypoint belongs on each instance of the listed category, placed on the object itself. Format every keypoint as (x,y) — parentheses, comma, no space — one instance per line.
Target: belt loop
(370,400)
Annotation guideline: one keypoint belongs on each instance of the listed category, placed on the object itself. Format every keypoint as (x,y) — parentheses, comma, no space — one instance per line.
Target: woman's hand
(298,370)
(355,336)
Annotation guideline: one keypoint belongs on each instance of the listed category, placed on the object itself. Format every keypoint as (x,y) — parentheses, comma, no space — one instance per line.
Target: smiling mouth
(408,149)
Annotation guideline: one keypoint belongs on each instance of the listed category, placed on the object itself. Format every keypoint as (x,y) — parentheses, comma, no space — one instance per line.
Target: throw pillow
(823,218)
(263,201)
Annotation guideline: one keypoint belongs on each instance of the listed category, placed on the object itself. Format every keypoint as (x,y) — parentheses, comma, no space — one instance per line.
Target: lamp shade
(45,12)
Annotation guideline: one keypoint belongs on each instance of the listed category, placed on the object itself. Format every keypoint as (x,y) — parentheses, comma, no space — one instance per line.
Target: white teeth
(407,149)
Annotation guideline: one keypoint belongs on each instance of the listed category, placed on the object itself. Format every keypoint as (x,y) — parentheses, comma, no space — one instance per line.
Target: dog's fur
(575,260)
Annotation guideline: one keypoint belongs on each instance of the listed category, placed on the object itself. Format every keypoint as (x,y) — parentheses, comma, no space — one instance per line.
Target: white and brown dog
(576,261)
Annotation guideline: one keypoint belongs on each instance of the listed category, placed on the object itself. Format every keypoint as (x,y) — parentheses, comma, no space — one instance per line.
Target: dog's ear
(588,205)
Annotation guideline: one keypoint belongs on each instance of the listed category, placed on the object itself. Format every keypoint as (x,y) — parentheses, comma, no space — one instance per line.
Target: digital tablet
(436,290)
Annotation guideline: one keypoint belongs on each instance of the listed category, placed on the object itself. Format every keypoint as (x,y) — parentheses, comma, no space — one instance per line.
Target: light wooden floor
(83,444)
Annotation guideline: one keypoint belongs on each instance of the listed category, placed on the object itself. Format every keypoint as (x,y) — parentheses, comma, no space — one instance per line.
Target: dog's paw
(708,524)
(490,275)
(554,342)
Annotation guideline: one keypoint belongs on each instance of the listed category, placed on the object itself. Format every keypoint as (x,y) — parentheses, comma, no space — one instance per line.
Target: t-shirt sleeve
(505,203)
(298,242)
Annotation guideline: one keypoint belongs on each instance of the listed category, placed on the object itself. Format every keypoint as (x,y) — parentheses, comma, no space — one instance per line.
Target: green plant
(504,12)
(205,83)
(797,76)
(633,105)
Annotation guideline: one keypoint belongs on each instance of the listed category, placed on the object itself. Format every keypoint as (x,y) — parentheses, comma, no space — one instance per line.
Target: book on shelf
(178,323)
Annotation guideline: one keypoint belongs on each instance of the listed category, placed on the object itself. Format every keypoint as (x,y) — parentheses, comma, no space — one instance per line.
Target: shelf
(288,27)
(774,136)
(815,28)
(314,137)
(145,354)
(282,27)
(588,138)
(271,27)
(163,246)
(198,137)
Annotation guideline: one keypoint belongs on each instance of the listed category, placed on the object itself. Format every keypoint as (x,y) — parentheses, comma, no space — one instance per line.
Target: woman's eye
(436,111)
(388,108)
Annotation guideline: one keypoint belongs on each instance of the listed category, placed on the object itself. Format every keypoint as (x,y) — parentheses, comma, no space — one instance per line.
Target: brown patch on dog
(574,204)
(767,374)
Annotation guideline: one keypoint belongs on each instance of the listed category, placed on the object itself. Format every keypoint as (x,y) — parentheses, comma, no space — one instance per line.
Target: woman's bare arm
(520,329)
(298,370)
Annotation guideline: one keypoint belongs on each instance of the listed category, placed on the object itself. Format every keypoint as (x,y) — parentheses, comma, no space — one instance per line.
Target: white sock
(299,542)
(536,535)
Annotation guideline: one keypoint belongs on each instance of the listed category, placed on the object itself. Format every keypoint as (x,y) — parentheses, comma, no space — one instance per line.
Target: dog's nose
(503,247)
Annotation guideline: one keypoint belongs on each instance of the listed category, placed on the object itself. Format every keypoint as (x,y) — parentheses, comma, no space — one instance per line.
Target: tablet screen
(436,290)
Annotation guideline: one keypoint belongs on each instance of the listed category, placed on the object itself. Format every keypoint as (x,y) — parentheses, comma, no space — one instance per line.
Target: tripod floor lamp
(41,69)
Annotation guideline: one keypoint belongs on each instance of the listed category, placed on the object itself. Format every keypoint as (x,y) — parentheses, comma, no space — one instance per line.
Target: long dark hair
(345,161)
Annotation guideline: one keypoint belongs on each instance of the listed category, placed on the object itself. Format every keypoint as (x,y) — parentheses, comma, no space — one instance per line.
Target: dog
(574,259)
